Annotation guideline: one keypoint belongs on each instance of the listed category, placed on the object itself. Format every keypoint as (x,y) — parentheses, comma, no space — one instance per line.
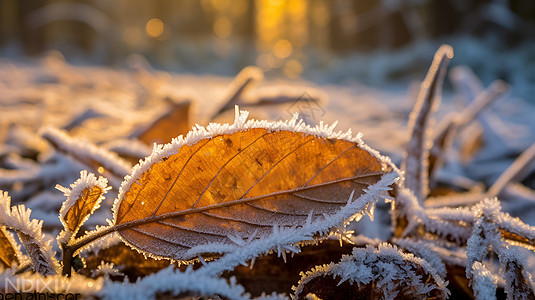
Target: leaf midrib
(150,219)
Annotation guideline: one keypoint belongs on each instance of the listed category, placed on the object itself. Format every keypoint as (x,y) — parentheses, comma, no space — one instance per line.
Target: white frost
(484,283)
(386,266)
(86,150)
(37,244)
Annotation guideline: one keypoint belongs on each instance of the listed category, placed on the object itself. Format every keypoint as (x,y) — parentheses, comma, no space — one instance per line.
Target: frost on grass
(88,153)
(483,282)
(383,272)
(174,282)
(416,161)
(36,243)
(487,237)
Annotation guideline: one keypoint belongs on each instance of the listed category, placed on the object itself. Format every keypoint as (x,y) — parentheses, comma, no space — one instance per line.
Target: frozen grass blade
(416,162)
(37,245)
(516,171)
(89,154)
(483,282)
(451,126)
(243,82)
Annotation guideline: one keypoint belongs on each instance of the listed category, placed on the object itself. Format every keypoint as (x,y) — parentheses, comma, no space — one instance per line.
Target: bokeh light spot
(154,28)
(222,28)
(282,48)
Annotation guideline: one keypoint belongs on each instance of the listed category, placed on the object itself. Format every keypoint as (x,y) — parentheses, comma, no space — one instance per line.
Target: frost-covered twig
(516,170)
(486,236)
(248,77)
(175,282)
(37,245)
(88,153)
(451,126)
(392,272)
(424,250)
(415,164)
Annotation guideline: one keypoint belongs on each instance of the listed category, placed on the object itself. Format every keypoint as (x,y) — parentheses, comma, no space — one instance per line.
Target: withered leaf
(82,208)
(238,185)
(83,198)
(268,275)
(169,125)
(129,262)
(8,250)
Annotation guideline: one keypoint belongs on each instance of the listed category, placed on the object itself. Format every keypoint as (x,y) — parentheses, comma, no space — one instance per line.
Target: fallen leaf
(83,207)
(83,198)
(170,124)
(268,274)
(129,262)
(235,186)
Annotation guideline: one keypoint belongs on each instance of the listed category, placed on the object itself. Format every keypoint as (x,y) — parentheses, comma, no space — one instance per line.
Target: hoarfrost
(36,243)
(391,270)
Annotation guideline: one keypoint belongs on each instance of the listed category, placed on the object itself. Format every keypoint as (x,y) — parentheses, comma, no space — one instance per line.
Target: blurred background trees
(284,36)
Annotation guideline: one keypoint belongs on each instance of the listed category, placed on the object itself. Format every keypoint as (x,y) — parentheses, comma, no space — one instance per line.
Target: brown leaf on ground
(170,124)
(129,262)
(269,274)
(240,184)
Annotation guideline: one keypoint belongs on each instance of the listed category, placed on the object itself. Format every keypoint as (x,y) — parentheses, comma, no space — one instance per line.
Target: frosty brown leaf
(238,184)
(83,198)
(8,250)
(82,208)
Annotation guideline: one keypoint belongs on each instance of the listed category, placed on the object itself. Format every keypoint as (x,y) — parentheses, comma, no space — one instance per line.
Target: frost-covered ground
(102,104)
(107,106)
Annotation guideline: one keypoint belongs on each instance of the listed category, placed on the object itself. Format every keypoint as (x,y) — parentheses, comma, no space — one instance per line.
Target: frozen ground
(103,105)
(108,107)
